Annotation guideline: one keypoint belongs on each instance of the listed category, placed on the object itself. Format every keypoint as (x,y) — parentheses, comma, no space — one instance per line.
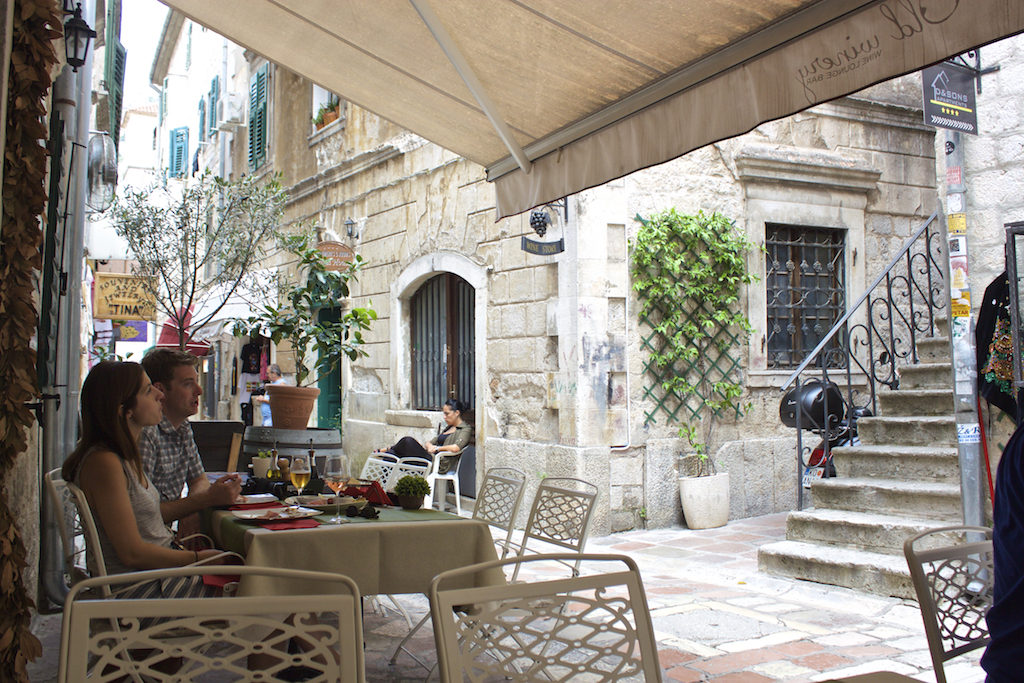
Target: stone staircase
(903,479)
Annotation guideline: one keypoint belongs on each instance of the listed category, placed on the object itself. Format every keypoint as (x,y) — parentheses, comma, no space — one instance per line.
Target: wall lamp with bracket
(350,228)
(77,35)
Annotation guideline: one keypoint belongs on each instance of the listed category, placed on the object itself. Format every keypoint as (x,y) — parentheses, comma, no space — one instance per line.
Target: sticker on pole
(968,433)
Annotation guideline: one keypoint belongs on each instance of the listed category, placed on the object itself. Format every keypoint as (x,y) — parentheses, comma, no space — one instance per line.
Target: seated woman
(450,441)
(118,400)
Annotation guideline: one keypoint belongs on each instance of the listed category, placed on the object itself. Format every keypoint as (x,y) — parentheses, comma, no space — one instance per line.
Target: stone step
(905,463)
(863,530)
(934,349)
(911,430)
(920,499)
(907,402)
(859,569)
(937,375)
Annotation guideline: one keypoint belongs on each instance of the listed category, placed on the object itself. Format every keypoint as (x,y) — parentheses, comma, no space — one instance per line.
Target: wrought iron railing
(864,350)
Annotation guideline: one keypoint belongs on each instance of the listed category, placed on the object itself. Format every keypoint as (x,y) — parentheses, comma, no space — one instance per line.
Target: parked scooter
(824,412)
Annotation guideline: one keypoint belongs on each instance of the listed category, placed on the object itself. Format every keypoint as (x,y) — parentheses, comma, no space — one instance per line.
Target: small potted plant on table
(411,490)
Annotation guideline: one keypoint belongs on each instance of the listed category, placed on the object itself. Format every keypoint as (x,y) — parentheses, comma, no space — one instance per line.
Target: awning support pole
(468,76)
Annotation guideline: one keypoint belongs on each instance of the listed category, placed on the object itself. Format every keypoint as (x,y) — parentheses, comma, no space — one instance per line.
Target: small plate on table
(256,498)
(307,500)
(276,514)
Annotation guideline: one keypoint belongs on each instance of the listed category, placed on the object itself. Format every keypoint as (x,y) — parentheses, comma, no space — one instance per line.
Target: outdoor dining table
(401,552)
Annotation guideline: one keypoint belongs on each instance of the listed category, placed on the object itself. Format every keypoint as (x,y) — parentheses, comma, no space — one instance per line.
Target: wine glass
(335,475)
(300,473)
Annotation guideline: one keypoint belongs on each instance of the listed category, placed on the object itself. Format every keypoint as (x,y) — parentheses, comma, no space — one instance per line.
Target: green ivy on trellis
(688,272)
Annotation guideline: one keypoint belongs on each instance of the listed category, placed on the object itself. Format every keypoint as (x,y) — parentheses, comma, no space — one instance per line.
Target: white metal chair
(594,626)
(497,504)
(560,516)
(378,467)
(218,637)
(452,475)
(953,582)
(72,535)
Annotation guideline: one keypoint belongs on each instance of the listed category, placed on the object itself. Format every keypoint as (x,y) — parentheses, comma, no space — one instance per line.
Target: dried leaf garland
(24,199)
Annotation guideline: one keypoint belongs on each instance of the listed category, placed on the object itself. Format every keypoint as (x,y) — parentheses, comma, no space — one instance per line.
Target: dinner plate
(276,514)
(308,500)
(254,498)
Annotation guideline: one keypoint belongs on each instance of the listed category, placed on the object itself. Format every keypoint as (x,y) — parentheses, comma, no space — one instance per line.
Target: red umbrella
(169,336)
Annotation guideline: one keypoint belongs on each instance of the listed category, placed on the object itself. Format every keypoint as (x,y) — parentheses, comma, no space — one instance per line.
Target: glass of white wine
(335,475)
(300,473)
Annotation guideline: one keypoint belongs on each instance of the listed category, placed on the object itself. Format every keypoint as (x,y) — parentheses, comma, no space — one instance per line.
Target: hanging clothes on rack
(994,347)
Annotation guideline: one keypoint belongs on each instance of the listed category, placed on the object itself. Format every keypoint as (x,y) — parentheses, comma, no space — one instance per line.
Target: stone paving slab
(715,618)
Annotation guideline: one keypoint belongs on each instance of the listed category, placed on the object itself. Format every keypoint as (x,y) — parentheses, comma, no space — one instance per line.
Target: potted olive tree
(688,271)
(318,344)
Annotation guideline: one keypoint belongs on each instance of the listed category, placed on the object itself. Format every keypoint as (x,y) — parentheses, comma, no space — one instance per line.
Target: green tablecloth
(399,553)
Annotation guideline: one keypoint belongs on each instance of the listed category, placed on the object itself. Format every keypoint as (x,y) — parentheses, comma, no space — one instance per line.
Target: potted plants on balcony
(328,112)
(411,490)
(318,344)
(689,271)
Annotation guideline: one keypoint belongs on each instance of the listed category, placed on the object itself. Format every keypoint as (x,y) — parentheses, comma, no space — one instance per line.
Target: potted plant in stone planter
(411,490)
(688,271)
(318,344)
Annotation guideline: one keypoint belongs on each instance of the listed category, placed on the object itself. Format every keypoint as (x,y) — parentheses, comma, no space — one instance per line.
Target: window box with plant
(688,272)
(328,112)
(318,344)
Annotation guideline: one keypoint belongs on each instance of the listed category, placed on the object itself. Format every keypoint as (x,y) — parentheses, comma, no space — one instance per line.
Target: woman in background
(455,436)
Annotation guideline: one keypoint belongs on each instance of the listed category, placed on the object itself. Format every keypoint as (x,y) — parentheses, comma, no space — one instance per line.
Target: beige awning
(555,96)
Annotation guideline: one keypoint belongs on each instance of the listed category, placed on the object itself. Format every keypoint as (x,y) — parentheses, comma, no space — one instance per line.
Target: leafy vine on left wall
(37,23)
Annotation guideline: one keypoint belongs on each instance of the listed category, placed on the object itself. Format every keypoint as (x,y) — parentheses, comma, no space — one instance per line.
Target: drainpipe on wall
(629,421)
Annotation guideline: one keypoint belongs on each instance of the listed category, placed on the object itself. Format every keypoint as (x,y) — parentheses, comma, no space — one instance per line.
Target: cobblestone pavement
(715,617)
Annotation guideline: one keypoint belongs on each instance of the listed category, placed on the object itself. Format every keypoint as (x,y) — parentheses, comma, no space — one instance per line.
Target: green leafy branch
(688,272)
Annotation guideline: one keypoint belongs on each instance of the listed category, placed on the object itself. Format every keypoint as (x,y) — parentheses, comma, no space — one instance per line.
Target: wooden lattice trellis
(670,389)
(688,271)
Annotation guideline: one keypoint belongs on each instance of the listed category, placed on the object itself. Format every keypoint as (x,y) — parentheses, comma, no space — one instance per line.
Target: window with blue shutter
(258,118)
(202,120)
(214,104)
(178,152)
(113,69)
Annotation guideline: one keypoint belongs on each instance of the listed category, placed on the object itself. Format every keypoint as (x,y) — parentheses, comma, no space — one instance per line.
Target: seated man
(168,450)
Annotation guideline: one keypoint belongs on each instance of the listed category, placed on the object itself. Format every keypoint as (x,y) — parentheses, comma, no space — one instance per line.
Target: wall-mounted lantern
(77,35)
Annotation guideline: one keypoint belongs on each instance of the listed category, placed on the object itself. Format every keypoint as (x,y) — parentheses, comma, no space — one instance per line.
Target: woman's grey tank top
(145,504)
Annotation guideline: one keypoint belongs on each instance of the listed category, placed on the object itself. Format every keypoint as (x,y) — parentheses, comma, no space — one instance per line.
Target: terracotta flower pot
(290,407)
(411,502)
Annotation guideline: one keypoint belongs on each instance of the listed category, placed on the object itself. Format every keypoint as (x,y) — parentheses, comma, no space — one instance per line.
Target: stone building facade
(556,356)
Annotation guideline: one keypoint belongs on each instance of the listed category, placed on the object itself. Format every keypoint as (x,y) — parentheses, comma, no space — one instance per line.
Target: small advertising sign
(132,331)
(542,248)
(122,297)
(949,100)
(338,255)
